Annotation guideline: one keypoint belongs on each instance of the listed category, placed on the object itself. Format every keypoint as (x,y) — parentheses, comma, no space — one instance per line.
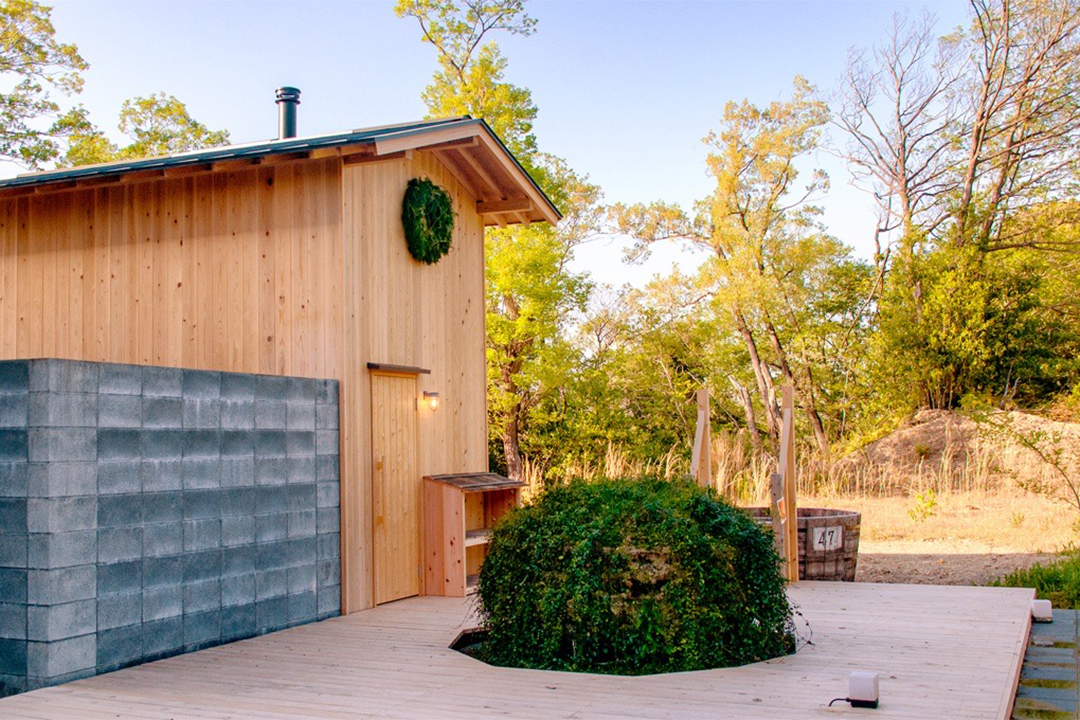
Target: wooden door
(396,486)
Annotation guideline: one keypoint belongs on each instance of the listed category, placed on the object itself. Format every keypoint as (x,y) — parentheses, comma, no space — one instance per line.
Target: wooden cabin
(286,257)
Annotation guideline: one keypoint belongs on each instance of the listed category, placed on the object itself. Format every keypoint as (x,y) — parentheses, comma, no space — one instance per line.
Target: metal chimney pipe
(287,100)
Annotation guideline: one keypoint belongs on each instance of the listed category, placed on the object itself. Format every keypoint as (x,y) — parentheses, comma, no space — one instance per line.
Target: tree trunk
(751,418)
(512,447)
(809,401)
(764,380)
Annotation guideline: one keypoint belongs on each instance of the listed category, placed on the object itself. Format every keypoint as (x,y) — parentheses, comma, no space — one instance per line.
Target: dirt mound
(1003,447)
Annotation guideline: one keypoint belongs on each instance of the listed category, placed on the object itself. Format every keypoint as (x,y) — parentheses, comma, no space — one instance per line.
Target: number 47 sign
(824,539)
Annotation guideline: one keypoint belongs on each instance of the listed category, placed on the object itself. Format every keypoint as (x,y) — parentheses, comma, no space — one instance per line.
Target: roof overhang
(505,193)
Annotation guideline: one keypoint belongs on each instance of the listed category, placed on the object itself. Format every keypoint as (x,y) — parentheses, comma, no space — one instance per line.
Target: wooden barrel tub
(828,542)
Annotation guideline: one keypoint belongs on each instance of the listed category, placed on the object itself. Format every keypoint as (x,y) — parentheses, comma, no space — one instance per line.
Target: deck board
(943,652)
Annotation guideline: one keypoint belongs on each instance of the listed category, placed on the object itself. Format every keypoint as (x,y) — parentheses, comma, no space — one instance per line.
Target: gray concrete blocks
(148,511)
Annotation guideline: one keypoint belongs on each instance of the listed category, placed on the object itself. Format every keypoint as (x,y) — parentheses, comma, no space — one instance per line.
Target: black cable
(837,699)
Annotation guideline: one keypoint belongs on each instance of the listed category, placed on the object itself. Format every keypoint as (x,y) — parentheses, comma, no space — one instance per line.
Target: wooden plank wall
(293,269)
(388,292)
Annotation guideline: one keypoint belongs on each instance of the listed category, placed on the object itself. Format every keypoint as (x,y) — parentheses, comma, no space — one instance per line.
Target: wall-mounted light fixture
(431,399)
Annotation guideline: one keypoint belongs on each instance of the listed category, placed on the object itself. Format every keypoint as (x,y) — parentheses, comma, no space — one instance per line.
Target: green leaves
(632,577)
(427,214)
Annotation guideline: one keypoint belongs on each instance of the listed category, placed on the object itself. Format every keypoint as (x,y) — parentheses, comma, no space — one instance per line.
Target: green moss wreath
(427,214)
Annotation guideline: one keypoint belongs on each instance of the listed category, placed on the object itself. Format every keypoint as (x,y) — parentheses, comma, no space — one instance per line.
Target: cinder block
(163,602)
(57,479)
(202,413)
(238,622)
(162,412)
(62,444)
(301,580)
(202,504)
(326,442)
(237,472)
(124,476)
(329,601)
(46,551)
(202,383)
(161,507)
(159,381)
(300,444)
(61,514)
(63,376)
(119,444)
(163,638)
(202,473)
(327,417)
(326,468)
(202,444)
(164,571)
(303,607)
(238,443)
(303,496)
(326,392)
(14,445)
(14,515)
(202,630)
(115,611)
(119,411)
(13,584)
(48,623)
(300,416)
(14,478)
(201,535)
(239,501)
(119,647)
(204,565)
(301,390)
(329,573)
(160,475)
(119,578)
(14,376)
(329,546)
(272,614)
(49,660)
(237,386)
(270,387)
(63,410)
(237,414)
(329,520)
(119,510)
(14,684)
(302,523)
(163,539)
(271,471)
(301,551)
(300,470)
(239,530)
(116,544)
(14,410)
(202,596)
(238,560)
(271,414)
(13,619)
(13,550)
(329,494)
(238,589)
(162,444)
(12,657)
(271,556)
(271,444)
(115,379)
(274,526)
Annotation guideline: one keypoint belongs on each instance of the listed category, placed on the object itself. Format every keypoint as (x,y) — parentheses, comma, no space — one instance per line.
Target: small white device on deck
(1042,611)
(863,689)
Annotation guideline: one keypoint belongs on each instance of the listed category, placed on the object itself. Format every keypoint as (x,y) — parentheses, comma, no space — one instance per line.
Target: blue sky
(626,90)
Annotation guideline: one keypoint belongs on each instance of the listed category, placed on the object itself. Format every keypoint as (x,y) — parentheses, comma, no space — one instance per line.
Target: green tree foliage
(632,577)
(34,66)
(156,125)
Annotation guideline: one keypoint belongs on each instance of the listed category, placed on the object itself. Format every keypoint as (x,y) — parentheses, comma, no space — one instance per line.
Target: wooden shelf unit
(459,513)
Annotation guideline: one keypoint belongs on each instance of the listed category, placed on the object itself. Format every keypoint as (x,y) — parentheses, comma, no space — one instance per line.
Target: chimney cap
(288,94)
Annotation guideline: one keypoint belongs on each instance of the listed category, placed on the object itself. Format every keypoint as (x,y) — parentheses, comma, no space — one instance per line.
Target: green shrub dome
(632,577)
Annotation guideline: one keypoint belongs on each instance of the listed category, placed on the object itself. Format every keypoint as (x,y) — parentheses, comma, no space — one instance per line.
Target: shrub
(632,577)
(1058,581)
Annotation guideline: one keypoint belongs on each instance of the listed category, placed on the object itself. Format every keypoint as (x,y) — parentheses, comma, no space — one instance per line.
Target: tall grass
(1058,581)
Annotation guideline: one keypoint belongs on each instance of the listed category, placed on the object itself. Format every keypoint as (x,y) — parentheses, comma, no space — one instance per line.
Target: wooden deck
(943,652)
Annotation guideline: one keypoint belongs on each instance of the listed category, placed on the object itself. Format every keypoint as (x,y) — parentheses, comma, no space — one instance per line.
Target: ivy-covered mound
(632,577)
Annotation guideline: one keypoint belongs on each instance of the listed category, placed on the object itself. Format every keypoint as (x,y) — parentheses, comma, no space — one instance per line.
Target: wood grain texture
(943,652)
(290,269)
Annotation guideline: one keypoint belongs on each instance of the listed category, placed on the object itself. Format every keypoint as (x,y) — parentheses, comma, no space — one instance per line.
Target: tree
(156,125)
(34,65)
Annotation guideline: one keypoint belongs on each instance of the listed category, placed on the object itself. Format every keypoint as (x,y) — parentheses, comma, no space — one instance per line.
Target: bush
(632,577)
(1058,582)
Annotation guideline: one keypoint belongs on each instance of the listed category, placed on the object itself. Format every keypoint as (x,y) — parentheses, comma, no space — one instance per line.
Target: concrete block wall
(149,511)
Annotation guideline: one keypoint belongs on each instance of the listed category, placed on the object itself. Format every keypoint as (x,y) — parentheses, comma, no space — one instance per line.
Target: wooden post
(778,513)
(701,460)
(787,472)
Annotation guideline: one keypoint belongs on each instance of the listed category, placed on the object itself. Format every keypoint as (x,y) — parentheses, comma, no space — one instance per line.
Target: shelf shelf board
(481,536)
